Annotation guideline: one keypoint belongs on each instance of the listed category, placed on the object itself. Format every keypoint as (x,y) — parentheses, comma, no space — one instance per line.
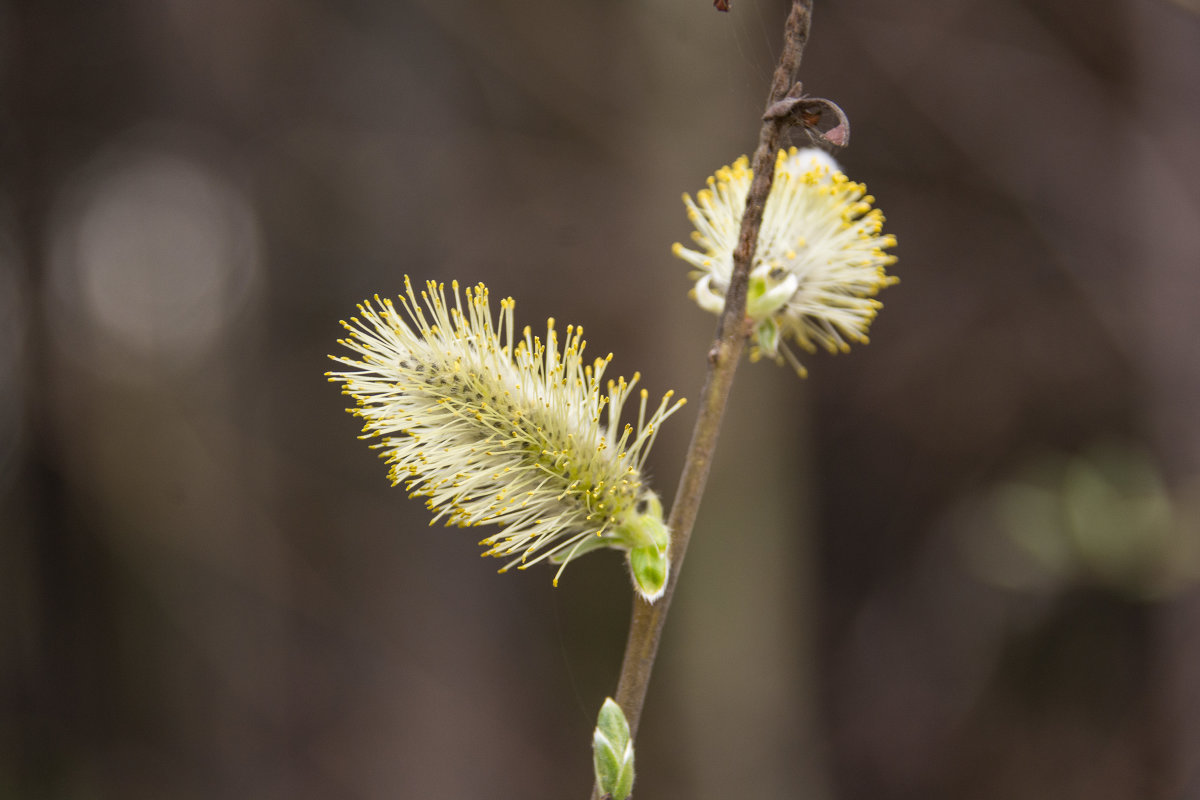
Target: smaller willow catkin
(497,430)
(819,262)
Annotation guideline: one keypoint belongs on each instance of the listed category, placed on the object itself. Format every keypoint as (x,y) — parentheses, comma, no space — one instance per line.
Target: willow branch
(645,629)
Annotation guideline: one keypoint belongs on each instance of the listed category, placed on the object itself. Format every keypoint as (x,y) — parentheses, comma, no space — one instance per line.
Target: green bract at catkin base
(494,430)
(818,264)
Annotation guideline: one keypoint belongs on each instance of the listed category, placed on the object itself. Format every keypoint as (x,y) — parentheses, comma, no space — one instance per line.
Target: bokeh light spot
(157,249)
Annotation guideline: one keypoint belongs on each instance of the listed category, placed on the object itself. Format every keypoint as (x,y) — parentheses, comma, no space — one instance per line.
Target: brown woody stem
(645,629)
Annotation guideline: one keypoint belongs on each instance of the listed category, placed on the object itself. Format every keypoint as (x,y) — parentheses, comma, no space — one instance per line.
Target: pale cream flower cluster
(819,261)
(495,429)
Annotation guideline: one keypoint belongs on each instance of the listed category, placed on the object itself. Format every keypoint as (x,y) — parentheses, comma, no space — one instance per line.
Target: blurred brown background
(958,563)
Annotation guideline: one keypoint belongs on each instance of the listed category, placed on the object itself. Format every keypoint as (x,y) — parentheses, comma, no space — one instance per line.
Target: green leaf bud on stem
(612,752)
